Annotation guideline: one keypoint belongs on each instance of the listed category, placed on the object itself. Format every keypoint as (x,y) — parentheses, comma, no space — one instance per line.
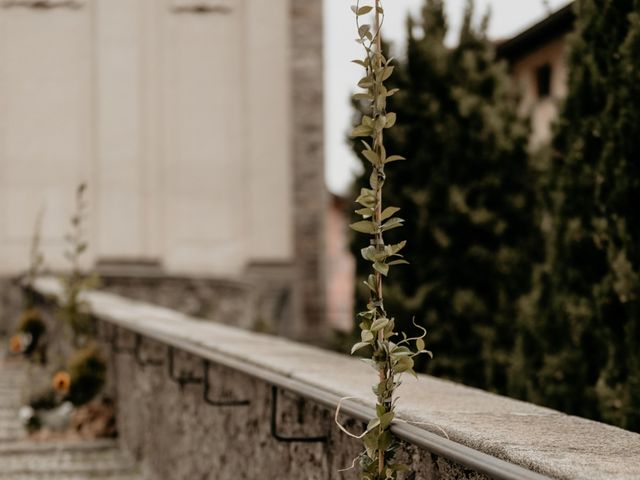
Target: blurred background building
(537,59)
(197,125)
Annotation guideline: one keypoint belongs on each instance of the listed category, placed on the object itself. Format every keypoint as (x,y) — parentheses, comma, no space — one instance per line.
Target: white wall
(179,120)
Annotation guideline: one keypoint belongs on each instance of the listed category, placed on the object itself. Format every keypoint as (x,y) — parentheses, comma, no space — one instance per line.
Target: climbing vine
(390,356)
(75,282)
(36,261)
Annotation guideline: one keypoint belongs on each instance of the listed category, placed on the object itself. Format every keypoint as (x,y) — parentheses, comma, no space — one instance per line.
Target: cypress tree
(579,349)
(465,188)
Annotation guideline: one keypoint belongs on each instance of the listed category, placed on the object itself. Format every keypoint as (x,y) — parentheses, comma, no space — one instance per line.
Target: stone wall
(11,304)
(219,300)
(262,302)
(309,191)
(175,435)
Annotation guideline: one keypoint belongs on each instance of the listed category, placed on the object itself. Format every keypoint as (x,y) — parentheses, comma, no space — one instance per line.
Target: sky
(508,17)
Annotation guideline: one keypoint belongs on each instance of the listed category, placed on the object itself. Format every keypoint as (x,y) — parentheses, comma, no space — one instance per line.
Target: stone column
(309,192)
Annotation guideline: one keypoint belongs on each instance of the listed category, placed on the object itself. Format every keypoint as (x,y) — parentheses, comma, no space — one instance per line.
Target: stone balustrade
(180,426)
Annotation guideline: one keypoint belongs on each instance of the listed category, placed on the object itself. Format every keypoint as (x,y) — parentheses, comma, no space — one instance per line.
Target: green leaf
(383,153)
(401,353)
(392,91)
(371,287)
(365,212)
(368,253)
(370,441)
(358,346)
(373,180)
(371,156)
(365,31)
(386,73)
(362,131)
(366,336)
(403,364)
(390,120)
(362,63)
(393,158)
(365,82)
(386,419)
(398,262)
(394,222)
(361,96)
(388,330)
(381,267)
(394,249)
(364,226)
(384,442)
(379,323)
(380,256)
(364,10)
(373,423)
(389,212)
(366,198)
(420,344)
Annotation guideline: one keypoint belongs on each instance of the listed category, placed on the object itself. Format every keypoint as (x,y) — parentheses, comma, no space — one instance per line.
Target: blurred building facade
(341,266)
(537,61)
(197,125)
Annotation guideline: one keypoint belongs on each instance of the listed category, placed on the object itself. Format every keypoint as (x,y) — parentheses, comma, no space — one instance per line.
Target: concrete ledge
(536,438)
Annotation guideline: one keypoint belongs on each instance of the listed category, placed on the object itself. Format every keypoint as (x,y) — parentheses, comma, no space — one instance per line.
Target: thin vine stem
(389,358)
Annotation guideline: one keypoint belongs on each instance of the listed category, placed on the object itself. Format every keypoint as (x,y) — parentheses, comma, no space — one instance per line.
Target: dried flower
(15,344)
(61,382)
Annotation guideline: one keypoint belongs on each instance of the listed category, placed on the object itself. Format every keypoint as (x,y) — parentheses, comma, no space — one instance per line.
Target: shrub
(87,369)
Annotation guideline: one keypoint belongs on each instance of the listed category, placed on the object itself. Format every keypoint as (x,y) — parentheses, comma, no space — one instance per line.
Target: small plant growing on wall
(72,310)
(30,326)
(36,263)
(80,367)
(86,366)
(391,354)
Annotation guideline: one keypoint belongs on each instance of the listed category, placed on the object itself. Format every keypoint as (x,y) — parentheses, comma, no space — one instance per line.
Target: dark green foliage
(87,369)
(466,193)
(580,346)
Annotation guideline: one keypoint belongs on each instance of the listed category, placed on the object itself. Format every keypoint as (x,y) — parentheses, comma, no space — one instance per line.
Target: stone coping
(536,438)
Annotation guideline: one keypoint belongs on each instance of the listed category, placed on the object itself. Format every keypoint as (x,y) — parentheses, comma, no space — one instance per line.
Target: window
(543,81)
